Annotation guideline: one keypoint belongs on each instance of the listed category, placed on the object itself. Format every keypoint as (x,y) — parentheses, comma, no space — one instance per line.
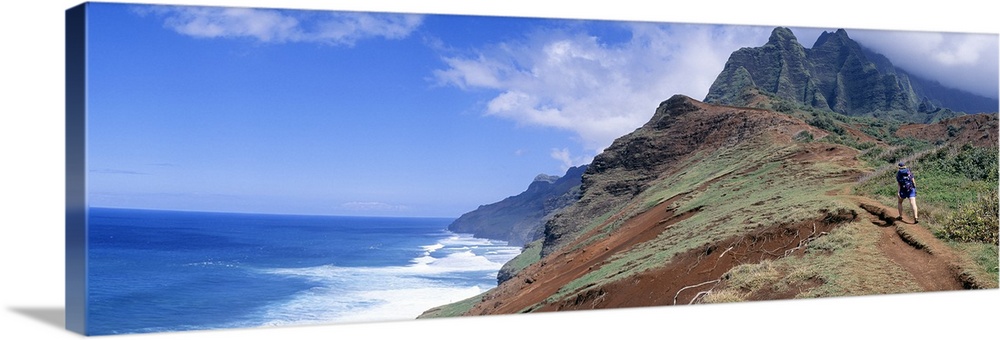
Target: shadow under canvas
(53,316)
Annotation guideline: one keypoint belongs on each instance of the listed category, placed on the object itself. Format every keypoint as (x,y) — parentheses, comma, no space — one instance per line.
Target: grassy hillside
(770,211)
(726,194)
(957,199)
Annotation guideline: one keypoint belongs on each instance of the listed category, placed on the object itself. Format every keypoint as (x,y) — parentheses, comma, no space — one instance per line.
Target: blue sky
(352,113)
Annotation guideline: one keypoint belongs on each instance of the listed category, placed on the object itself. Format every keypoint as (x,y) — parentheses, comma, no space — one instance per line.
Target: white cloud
(575,81)
(567,159)
(960,60)
(281,26)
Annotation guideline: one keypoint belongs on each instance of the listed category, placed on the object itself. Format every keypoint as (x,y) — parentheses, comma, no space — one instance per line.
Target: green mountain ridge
(766,191)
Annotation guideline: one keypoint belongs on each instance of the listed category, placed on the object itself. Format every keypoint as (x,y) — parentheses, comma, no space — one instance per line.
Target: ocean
(164,271)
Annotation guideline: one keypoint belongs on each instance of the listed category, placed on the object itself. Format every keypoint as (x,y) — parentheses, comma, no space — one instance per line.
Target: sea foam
(455,268)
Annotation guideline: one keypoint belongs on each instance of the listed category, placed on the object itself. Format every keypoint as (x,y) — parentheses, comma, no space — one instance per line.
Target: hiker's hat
(902,164)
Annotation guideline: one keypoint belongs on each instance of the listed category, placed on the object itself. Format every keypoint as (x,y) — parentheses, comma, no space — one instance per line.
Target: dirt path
(934,266)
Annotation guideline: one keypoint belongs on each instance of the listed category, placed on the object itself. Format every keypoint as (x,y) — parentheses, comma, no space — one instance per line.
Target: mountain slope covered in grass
(780,185)
(709,203)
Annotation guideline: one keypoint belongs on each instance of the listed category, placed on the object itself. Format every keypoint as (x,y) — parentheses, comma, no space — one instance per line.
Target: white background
(32,185)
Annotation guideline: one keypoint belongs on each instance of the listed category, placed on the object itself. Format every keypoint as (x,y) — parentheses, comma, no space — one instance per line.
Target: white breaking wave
(432,248)
(455,268)
(464,261)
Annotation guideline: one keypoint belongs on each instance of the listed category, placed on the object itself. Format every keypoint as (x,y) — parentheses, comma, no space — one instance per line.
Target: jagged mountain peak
(783,39)
(840,35)
(836,40)
(781,36)
(840,75)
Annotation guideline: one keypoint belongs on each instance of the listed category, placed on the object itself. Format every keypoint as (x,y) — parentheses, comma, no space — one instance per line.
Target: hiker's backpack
(905,178)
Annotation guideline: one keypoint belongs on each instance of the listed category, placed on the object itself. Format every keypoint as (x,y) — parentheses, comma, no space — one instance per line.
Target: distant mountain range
(519,219)
(840,75)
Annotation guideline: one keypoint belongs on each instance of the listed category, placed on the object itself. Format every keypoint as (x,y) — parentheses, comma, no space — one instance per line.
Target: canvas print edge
(73,199)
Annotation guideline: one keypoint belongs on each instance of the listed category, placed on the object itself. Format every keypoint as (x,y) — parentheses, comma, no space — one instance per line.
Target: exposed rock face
(519,219)
(840,75)
(855,84)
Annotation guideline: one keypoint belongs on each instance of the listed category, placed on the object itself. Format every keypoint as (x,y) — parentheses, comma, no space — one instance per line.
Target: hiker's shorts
(904,194)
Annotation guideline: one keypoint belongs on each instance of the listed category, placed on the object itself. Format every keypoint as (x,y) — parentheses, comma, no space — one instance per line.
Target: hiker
(907,189)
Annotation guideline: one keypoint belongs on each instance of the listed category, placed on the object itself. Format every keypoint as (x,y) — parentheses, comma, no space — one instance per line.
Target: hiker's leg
(899,206)
(913,204)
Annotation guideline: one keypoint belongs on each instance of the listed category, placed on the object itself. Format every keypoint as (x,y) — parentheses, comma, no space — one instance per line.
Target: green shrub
(783,107)
(975,221)
(978,164)
(803,136)
(826,123)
